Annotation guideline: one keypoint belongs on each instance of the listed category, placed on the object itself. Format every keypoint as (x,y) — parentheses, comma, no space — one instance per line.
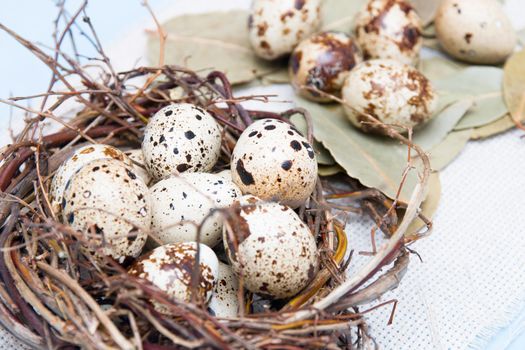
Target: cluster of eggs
(374,72)
(173,190)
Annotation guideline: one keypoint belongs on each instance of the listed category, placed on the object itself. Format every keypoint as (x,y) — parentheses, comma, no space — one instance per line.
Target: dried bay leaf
(430,205)
(375,161)
(445,152)
(439,67)
(211,41)
(329,170)
(322,154)
(483,84)
(494,128)
(340,14)
(280,76)
(514,85)
(426,9)
(433,132)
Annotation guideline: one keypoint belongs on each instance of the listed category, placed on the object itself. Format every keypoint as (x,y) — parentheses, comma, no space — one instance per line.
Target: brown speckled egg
(139,167)
(169,268)
(276,251)
(81,157)
(106,199)
(181,138)
(181,202)
(273,161)
(476,31)
(322,62)
(389,29)
(225,299)
(277,26)
(393,92)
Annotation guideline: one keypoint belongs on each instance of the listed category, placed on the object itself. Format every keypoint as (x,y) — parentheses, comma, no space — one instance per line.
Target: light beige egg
(322,62)
(80,157)
(476,31)
(170,267)
(272,248)
(389,29)
(181,203)
(139,167)
(393,92)
(181,138)
(225,300)
(277,26)
(110,205)
(273,161)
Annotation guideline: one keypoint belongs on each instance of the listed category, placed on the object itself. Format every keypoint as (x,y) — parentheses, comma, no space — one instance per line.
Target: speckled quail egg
(273,161)
(225,174)
(389,29)
(110,205)
(322,62)
(476,31)
(225,299)
(80,157)
(170,267)
(139,167)
(272,248)
(277,26)
(393,92)
(181,138)
(180,203)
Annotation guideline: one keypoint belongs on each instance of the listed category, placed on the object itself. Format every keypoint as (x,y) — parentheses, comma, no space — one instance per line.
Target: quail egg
(139,167)
(170,267)
(271,247)
(181,138)
(389,29)
(225,300)
(476,31)
(322,62)
(110,205)
(277,26)
(180,203)
(273,161)
(393,92)
(80,157)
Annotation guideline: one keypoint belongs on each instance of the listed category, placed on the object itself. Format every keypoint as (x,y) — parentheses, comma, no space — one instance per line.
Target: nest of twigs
(56,295)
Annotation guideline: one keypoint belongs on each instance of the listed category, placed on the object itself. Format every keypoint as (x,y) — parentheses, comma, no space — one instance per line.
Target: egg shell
(181,138)
(181,202)
(322,62)
(476,31)
(170,267)
(273,161)
(277,26)
(389,29)
(107,199)
(139,167)
(80,157)
(225,174)
(277,254)
(393,92)
(225,300)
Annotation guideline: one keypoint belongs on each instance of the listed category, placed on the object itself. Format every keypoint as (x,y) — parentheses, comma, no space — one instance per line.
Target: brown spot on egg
(286,165)
(246,176)
(295,61)
(264,44)
(410,38)
(87,150)
(468,37)
(261,28)
(299,4)
(287,14)
(183,167)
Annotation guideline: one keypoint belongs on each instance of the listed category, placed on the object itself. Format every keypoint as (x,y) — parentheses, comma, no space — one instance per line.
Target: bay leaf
(433,132)
(482,84)
(340,14)
(521,36)
(322,154)
(211,41)
(431,43)
(375,161)
(429,31)
(445,152)
(280,76)
(439,67)
(514,84)
(329,170)
(499,126)
(426,9)
(430,205)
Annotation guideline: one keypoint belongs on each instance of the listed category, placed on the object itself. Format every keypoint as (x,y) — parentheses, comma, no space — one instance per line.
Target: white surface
(472,281)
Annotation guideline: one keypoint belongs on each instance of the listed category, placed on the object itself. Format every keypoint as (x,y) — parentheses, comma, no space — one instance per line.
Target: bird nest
(55,294)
